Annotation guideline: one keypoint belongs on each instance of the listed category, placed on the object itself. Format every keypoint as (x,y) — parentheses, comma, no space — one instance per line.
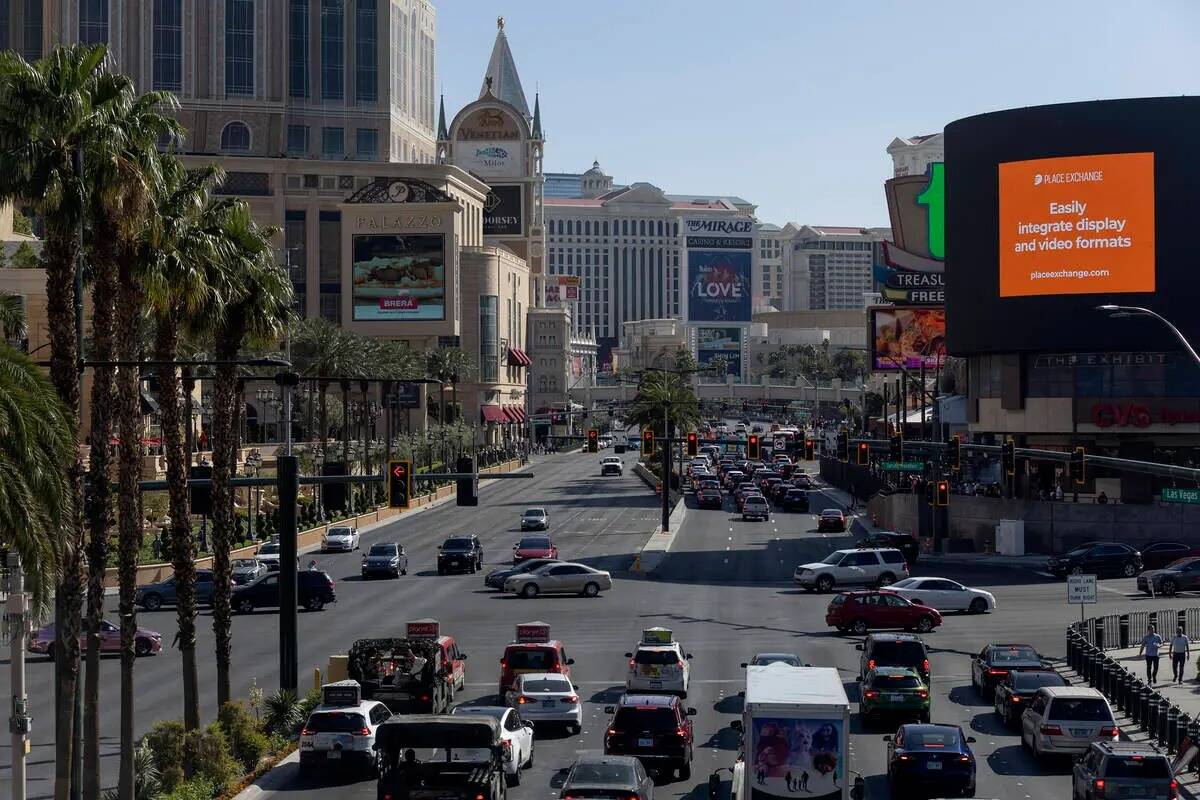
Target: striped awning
(494,414)
(517,358)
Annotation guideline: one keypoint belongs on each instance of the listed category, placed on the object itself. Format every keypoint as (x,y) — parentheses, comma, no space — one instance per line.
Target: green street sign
(905,466)
(1173,494)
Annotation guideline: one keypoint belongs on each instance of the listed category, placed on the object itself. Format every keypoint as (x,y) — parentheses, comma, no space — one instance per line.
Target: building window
(235,138)
(333,143)
(298,48)
(489,338)
(93,21)
(366,67)
(239,47)
(367,144)
(295,233)
(168,45)
(333,49)
(297,140)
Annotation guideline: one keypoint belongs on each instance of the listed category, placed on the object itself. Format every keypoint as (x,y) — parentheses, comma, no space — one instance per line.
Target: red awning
(520,412)
(517,358)
(494,414)
(512,415)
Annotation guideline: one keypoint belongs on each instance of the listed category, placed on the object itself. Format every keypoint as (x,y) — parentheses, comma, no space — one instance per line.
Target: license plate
(334,754)
(547,704)
(896,698)
(655,684)
(934,765)
(645,743)
(1081,732)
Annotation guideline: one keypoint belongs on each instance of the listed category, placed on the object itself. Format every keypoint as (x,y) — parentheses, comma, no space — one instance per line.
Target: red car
(145,642)
(863,611)
(534,547)
(522,657)
(710,498)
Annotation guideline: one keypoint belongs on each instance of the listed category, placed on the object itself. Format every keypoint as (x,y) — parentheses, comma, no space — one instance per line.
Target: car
(995,661)
(779,490)
(1157,555)
(609,465)
(535,519)
(1097,558)
(1015,690)
(906,543)
(1066,720)
(460,553)
(593,777)
(762,659)
(833,520)
(516,737)
(658,664)
(863,611)
(795,500)
(546,697)
(522,657)
(145,641)
(314,590)
(853,567)
(710,498)
(1180,576)
(944,595)
(932,759)
(268,554)
(385,558)
(755,507)
(893,690)
(654,728)
(340,538)
(245,570)
(154,596)
(803,480)
(733,478)
(534,547)
(894,650)
(560,578)
(341,735)
(1123,769)
(496,578)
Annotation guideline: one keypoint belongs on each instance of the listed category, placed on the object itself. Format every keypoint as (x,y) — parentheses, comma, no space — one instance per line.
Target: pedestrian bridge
(592,396)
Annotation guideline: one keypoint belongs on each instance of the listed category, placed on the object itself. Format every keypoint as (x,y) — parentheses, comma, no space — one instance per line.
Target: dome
(595,170)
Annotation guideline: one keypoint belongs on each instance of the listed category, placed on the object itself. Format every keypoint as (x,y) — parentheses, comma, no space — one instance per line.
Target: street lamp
(1119,312)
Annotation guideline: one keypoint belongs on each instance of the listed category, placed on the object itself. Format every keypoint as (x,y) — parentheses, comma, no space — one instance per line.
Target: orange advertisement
(1077,225)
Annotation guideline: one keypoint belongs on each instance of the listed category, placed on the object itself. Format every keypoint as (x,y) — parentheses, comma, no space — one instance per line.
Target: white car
(268,555)
(944,595)
(1066,719)
(546,697)
(341,734)
(755,507)
(516,736)
(658,668)
(340,537)
(611,465)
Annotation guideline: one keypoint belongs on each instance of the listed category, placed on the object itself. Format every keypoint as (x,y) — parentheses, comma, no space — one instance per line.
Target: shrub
(166,743)
(177,754)
(281,713)
(195,789)
(246,742)
(208,757)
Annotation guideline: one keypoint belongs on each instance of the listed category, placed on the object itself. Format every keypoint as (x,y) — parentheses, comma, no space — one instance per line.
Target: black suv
(1097,558)
(654,728)
(460,553)
(894,650)
(314,589)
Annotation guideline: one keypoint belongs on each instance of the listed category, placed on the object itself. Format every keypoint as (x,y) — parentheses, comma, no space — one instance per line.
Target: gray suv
(1122,769)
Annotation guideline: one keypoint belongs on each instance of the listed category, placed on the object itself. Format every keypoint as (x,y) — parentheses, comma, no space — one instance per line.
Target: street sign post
(1081,591)
(903,466)
(1175,494)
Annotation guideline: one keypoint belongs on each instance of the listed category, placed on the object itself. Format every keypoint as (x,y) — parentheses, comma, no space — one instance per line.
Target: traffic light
(896,448)
(843,443)
(400,482)
(648,442)
(864,453)
(593,440)
(1009,456)
(467,493)
(943,493)
(753,447)
(201,496)
(810,449)
(955,453)
(693,444)
(1077,468)
(929,496)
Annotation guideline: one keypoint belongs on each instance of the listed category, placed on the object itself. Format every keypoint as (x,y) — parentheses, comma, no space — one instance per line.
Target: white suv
(860,567)
(342,735)
(1067,719)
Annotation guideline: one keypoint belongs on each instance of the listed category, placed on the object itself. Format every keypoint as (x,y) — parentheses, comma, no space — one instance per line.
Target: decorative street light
(1118,312)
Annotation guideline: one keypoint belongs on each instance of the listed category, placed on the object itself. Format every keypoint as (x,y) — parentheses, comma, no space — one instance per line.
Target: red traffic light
(399,470)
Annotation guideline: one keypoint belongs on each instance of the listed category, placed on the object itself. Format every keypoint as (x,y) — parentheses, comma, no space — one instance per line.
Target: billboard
(719,286)
(796,758)
(720,345)
(1055,210)
(907,337)
(503,212)
(399,277)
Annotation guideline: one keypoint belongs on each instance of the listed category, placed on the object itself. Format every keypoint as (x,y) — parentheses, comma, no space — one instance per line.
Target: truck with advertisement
(795,730)
(413,674)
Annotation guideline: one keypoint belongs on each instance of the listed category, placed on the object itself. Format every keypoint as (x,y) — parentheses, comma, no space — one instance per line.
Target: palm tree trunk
(59,255)
(224,458)
(129,515)
(183,545)
(99,497)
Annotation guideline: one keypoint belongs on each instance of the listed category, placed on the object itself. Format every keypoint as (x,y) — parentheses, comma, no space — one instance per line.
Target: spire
(500,78)
(537,117)
(443,134)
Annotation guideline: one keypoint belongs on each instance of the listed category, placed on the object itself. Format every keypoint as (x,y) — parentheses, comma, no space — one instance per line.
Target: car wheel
(685,772)
(969,791)
(141,647)
(1129,570)
(314,604)
(591,590)
(529,590)
(1169,587)
(859,626)
(529,762)
(152,602)
(824,584)
(886,579)
(404,571)
(245,606)
(513,779)
(441,571)
(924,624)
(978,606)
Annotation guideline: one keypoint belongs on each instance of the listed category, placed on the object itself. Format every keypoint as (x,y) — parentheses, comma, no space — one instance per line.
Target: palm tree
(12,317)
(439,367)
(321,348)
(461,367)
(660,390)
(54,122)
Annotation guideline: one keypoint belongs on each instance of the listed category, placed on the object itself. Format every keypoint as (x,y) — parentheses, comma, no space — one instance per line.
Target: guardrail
(1087,644)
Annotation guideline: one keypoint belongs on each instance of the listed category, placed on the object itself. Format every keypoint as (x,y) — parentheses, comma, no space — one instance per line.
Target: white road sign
(1081,589)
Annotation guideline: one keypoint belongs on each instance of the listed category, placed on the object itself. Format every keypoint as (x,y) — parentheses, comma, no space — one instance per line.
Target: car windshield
(243,563)
(547,685)
(645,718)
(534,543)
(907,583)
(1080,709)
(383,550)
(269,549)
(535,512)
(1182,562)
(773,658)
(899,653)
(335,722)
(340,531)
(1137,767)
(534,660)
(833,558)
(457,544)
(937,739)
(530,566)
(832,514)
(1032,681)
(496,712)
(602,774)
(660,657)
(886,682)
(1011,655)
(1079,551)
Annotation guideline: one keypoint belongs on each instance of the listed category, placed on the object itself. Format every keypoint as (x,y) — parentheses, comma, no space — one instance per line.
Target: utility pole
(666,472)
(19,722)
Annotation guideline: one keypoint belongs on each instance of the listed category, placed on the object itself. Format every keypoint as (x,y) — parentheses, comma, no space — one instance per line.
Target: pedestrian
(1058,492)
(788,779)
(312,565)
(1180,649)
(1150,644)
(1102,498)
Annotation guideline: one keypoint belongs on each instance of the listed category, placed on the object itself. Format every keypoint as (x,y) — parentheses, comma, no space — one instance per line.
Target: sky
(791,103)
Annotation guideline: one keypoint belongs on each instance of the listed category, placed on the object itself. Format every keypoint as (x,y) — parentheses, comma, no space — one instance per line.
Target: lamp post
(1119,312)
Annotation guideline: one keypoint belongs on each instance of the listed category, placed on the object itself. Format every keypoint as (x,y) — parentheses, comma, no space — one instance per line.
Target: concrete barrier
(654,552)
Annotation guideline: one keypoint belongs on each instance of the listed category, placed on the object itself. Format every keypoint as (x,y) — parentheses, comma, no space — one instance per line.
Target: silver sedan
(562,578)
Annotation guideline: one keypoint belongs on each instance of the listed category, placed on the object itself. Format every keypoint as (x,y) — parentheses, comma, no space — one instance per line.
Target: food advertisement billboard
(718,286)
(399,277)
(796,758)
(908,338)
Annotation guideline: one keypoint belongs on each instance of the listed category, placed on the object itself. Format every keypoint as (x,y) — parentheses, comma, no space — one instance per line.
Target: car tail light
(507,747)
(1173,789)
(924,694)
(307,731)
(556,668)
(993,671)
(925,665)
(870,694)
(1098,787)
(903,757)
(871,663)
(387,797)
(503,664)
(964,758)
(1110,730)
(479,797)
(1016,699)
(522,700)
(364,731)
(681,732)
(611,732)
(679,663)
(424,698)
(572,699)
(1051,730)
(631,664)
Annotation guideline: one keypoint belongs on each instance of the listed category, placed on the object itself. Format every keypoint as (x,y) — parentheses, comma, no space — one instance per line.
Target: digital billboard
(399,277)
(718,286)
(720,345)
(796,758)
(1052,211)
(503,212)
(908,338)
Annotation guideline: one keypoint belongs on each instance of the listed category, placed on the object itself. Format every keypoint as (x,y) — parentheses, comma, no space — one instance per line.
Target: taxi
(658,665)
(341,730)
(533,651)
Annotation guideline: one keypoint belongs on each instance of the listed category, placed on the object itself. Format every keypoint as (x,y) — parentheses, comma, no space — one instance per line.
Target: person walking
(1150,644)
(1180,650)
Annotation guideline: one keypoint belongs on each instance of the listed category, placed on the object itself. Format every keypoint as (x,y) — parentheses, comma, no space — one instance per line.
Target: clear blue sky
(790,103)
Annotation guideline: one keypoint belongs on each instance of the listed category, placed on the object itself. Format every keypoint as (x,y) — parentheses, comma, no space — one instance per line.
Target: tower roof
(501,78)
